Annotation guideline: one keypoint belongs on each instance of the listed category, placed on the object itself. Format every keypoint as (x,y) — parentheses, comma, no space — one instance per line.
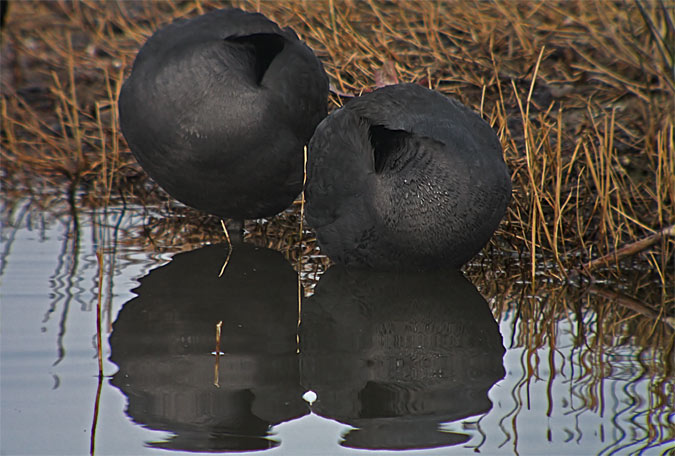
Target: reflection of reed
(106,244)
(590,344)
(65,282)
(11,222)
(65,278)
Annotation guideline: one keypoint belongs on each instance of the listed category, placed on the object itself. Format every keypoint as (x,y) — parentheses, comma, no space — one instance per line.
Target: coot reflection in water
(163,341)
(395,355)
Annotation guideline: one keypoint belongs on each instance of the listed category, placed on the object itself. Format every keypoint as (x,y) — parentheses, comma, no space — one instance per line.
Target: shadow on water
(163,341)
(394,356)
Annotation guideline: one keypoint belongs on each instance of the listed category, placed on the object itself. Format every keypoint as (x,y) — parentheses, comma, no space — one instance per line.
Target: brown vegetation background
(580,93)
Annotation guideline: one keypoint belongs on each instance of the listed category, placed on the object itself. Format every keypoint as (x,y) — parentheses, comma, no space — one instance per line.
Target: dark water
(416,363)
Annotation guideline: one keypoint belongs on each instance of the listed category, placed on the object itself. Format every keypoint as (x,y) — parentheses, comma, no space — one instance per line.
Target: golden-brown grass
(580,93)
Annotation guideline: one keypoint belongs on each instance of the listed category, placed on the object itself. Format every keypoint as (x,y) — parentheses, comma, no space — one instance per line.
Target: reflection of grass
(580,94)
(597,351)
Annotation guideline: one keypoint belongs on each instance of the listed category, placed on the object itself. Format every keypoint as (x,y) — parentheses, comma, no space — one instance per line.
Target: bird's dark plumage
(405,178)
(218,108)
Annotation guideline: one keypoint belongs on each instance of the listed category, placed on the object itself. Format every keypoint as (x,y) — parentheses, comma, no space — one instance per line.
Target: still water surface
(416,363)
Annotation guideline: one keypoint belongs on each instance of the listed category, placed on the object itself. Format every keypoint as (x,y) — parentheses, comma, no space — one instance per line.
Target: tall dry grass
(580,93)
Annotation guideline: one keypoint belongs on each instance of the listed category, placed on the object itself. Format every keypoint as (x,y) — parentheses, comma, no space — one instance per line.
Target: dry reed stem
(299,267)
(631,249)
(229,248)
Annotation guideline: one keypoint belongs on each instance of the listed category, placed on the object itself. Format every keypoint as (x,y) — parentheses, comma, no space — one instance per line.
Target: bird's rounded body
(405,178)
(218,108)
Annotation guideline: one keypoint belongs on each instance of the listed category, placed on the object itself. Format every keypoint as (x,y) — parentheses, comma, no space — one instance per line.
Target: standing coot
(405,178)
(218,109)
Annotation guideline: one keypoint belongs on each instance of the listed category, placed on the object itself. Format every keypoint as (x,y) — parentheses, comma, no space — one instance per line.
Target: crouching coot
(405,178)
(218,108)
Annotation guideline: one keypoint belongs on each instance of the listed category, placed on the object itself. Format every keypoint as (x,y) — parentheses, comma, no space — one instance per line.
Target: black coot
(405,178)
(218,109)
